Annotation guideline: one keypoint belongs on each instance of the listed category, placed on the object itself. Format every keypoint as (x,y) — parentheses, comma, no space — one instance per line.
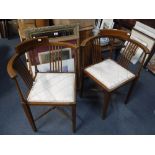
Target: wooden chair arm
(146,50)
(12,73)
(84,42)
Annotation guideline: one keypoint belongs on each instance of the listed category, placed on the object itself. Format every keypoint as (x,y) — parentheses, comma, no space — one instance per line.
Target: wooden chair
(111,74)
(53,88)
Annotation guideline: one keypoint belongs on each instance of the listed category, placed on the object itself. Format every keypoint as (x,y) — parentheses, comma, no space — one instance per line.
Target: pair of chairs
(58,88)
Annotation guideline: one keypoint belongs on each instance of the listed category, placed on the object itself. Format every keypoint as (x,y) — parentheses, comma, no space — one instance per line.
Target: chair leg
(29,116)
(130,90)
(74,117)
(82,85)
(107,97)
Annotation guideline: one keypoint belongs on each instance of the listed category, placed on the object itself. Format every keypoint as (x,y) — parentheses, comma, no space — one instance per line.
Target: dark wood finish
(130,23)
(74,117)
(41,22)
(4,30)
(17,68)
(149,57)
(26,107)
(105,104)
(130,90)
(91,54)
(85,33)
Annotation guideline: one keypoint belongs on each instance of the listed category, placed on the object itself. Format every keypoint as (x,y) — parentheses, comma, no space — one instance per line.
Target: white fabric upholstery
(53,87)
(109,73)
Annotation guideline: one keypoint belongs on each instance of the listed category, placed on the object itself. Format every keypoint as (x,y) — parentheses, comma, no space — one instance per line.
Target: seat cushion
(53,87)
(109,73)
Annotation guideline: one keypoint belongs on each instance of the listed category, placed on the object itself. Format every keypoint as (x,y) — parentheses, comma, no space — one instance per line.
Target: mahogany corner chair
(55,87)
(112,72)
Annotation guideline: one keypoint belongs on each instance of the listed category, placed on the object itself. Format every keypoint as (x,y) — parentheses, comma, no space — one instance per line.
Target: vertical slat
(122,54)
(58,58)
(50,51)
(88,56)
(23,72)
(127,54)
(135,47)
(96,53)
(100,54)
(61,59)
(53,57)
(131,53)
(35,50)
(97,58)
(95,50)
(111,47)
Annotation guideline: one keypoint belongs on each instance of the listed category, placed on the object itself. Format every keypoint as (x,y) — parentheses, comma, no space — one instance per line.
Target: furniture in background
(111,74)
(102,24)
(8,28)
(83,23)
(4,28)
(65,33)
(129,24)
(146,35)
(54,87)
(85,26)
(24,24)
(85,32)
(150,62)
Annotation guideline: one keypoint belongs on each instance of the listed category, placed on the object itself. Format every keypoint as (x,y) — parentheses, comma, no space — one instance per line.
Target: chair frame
(85,55)
(21,49)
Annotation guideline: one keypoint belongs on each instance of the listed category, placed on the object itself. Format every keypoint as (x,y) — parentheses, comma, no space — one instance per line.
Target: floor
(137,117)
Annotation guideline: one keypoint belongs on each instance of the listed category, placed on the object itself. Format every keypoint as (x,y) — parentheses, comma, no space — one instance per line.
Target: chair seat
(53,88)
(109,73)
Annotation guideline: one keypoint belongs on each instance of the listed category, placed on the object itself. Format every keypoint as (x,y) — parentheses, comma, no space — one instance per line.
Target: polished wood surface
(17,68)
(91,54)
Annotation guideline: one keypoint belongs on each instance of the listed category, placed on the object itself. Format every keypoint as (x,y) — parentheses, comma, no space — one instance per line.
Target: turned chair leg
(130,90)
(82,85)
(29,116)
(107,97)
(74,118)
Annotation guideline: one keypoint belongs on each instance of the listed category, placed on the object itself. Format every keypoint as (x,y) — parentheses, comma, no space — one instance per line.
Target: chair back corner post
(75,60)
(141,64)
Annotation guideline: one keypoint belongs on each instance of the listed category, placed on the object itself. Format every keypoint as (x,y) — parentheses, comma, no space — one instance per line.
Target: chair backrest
(112,40)
(30,49)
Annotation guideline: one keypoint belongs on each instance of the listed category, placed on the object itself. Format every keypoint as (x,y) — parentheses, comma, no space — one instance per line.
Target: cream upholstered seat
(109,73)
(53,87)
